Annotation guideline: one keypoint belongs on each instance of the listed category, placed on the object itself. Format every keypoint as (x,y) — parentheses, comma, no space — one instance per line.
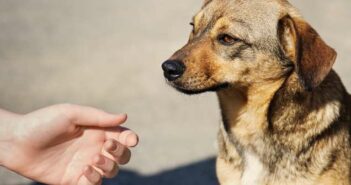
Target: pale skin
(65,144)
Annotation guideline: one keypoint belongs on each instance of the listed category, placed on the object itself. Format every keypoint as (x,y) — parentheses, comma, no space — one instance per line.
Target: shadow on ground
(202,172)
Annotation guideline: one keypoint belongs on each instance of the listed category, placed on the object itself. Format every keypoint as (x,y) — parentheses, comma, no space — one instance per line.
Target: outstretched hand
(66,144)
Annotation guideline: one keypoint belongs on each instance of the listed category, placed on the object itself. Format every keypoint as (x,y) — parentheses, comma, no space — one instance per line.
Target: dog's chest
(254,170)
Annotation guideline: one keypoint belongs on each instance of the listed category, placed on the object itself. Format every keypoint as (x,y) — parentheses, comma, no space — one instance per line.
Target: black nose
(173,69)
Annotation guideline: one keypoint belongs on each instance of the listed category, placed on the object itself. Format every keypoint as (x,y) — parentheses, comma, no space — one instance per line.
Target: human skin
(65,144)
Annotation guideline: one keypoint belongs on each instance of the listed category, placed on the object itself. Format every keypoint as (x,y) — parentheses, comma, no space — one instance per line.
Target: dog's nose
(173,69)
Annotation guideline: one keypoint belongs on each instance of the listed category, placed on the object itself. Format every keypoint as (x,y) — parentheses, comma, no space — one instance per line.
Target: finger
(119,152)
(88,116)
(90,177)
(123,135)
(125,158)
(108,166)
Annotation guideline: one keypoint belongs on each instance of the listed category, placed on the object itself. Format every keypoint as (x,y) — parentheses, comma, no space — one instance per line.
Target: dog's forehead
(260,15)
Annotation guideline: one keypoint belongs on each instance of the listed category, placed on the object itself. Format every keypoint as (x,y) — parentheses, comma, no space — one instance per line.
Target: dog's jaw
(200,91)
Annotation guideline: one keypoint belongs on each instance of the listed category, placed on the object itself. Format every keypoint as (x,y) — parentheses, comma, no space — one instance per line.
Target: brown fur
(286,114)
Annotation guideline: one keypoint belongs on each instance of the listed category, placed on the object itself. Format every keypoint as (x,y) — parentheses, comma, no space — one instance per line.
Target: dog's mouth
(189,91)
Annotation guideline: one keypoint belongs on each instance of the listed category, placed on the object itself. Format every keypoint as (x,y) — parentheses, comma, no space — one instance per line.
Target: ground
(108,54)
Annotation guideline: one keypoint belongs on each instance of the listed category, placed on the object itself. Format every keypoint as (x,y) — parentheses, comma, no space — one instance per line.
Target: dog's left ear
(206,2)
(313,58)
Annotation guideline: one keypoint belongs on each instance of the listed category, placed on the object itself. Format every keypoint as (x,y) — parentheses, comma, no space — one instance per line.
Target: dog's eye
(227,40)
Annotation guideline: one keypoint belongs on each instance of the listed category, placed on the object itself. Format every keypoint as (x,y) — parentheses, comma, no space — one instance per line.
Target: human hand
(66,144)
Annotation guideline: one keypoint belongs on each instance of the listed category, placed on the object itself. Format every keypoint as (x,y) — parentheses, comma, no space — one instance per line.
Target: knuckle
(67,110)
(126,157)
(128,154)
(65,106)
(113,172)
(63,109)
(119,150)
(111,168)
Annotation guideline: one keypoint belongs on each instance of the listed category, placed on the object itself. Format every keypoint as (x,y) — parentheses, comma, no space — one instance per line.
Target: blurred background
(108,53)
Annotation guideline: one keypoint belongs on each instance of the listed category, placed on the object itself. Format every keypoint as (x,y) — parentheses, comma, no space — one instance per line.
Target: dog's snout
(173,69)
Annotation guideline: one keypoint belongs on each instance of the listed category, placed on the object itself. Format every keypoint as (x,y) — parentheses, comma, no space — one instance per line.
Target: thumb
(92,117)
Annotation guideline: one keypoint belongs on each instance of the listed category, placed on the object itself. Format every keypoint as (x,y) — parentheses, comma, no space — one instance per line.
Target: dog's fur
(286,114)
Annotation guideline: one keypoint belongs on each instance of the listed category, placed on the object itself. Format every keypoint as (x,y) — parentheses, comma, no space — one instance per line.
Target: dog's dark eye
(227,40)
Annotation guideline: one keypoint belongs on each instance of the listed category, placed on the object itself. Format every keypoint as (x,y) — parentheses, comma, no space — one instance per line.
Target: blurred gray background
(108,53)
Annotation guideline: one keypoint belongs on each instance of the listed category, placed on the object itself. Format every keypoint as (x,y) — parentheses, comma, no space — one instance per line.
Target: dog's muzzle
(173,69)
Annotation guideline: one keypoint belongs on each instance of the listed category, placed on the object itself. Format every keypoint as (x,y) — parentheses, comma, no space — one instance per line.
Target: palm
(66,153)
(73,156)
(66,144)
(61,149)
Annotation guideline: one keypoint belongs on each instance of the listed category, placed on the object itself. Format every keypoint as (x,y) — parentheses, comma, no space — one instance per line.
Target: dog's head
(238,43)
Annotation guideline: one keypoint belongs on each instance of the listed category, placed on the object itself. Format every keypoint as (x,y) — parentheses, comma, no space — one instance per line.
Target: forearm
(7,123)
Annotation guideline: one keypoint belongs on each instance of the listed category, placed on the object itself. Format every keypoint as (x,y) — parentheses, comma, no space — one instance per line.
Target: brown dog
(286,114)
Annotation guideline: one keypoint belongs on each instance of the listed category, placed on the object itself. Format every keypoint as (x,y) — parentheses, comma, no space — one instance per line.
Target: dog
(286,114)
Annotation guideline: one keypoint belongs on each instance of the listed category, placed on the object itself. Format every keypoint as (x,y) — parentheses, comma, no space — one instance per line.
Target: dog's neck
(264,114)
(244,110)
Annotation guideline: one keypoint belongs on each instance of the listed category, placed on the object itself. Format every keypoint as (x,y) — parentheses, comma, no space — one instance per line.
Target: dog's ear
(313,58)
(206,2)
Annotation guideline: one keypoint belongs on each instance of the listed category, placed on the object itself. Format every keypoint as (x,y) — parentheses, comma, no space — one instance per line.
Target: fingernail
(122,115)
(132,139)
(125,115)
(121,118)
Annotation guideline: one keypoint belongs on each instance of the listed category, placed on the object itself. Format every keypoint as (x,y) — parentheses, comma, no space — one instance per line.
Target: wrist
(7,133)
